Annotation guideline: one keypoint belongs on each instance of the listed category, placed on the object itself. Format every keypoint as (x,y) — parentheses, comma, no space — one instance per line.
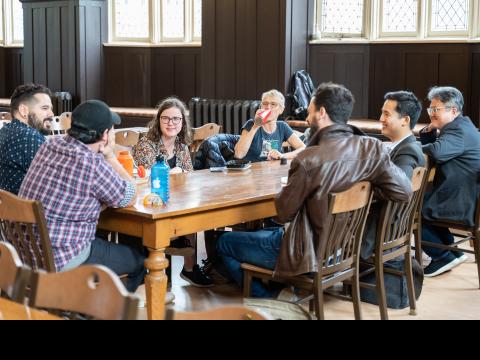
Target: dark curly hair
(155,132)
(26,94)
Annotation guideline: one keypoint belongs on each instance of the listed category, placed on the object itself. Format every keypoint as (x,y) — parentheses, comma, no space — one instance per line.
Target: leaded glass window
(450,15)
(132,19)
(173,19)
(400,16)
(342,16)
(17,12)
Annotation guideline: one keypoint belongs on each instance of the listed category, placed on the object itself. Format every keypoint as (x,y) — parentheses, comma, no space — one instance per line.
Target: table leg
(156,284)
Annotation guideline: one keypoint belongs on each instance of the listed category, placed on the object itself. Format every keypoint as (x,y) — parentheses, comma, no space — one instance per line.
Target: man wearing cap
(75,176)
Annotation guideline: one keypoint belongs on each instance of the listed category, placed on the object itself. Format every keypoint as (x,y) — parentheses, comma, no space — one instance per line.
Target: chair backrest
(22,223)
(348,213)
(223,313)
(397,218)
(5,116)
(91,291)
(201,134)
(127,138)
(14,276)
(61,124)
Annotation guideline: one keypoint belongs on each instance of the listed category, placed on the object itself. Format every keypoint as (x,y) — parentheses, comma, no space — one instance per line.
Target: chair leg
(418,243)
(381,293)
(410,285)
(247,284)
(356,296)
(476,243)
(318,298)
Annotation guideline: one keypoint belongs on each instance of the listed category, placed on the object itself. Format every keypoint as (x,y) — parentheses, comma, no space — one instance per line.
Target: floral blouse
(145,154)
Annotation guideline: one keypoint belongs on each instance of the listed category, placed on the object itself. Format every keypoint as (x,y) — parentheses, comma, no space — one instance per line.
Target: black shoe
(180,247)
(460,255)
(437,268)
(197,278)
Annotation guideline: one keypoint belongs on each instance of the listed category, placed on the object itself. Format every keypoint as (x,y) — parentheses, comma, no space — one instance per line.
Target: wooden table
(199,201)
(10,310)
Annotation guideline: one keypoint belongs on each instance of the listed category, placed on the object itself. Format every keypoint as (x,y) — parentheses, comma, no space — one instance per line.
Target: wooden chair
(20,220)
(91,291)
(5,116)
(394,236)
(127,138)
(339,258)
(14,276)
(61,124)
(417,221)
(201,134)
(223,313)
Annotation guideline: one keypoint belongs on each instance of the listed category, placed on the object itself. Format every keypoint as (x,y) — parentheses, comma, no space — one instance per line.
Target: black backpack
(303,90)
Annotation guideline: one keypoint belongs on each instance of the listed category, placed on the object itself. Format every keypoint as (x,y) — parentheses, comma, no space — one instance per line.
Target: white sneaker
(169,298)
(288,295)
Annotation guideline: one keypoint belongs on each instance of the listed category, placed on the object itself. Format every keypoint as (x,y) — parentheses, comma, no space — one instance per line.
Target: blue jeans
(437,235)
(121,259)
(259,248)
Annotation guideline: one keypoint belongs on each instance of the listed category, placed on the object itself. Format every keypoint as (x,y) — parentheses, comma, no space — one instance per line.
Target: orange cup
(126,159)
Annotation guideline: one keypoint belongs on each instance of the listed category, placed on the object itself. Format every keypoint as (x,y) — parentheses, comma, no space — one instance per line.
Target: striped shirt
(19,143)
(73,183)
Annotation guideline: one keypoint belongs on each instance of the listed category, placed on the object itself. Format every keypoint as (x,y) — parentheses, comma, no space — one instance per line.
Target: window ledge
(396,41)
(150,45)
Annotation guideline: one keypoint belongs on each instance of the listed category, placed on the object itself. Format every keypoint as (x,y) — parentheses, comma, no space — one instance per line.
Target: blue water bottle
(160,179)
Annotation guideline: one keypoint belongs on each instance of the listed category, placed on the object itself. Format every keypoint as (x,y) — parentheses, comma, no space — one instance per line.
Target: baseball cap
(93,117)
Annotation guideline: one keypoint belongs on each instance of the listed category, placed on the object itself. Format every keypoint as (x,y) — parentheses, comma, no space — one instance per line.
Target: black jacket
(216,151)
(407,156)
(456,155)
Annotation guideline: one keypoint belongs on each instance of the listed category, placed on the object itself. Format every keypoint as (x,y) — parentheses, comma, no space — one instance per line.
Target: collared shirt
(392,146)
(73,184)
(19,143)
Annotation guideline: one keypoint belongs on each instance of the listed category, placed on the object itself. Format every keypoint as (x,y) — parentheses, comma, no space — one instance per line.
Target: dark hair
(25,94)
(407,105)
(448,95)
(155,133)
(337,100)
(89,138)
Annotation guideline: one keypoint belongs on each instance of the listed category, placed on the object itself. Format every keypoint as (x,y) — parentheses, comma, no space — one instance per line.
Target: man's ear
(406,121)
(23,111)
(105,135)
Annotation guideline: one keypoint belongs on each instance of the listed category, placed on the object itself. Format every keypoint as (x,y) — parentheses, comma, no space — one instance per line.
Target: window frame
(373,26)
(2,24)
(156,36)
(8,24)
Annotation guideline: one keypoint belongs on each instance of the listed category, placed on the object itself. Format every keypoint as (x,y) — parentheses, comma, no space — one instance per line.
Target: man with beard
(31,108)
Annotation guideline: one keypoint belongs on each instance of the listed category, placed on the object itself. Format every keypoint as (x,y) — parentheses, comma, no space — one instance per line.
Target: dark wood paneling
(343,64)
(141,77)
(13,69)
(475,84)
(2,72)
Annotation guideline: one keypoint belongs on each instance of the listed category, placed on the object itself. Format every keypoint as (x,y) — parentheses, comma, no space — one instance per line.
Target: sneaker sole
(195,284)
(462,259)
(444,269)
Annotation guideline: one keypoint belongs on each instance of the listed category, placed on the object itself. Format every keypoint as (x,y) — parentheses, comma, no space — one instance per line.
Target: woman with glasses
(169,136)
(264,141)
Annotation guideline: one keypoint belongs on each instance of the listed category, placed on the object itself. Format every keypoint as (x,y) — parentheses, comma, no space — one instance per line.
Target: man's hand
(108,150)
(274,155)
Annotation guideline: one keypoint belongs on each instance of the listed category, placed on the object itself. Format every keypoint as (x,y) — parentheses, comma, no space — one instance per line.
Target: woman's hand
(176,170)
(274,155)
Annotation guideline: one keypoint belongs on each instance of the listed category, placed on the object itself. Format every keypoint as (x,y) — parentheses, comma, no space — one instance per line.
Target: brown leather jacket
(336,159)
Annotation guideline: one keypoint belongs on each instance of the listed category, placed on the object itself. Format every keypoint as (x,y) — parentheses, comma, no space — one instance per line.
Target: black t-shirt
(172,162)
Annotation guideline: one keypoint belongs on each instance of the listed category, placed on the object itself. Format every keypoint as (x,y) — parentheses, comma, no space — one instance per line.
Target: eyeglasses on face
(436,110)
(271,104)
(175,120)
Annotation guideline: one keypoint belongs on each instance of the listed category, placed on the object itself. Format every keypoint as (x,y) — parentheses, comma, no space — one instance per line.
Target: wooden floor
(453,296)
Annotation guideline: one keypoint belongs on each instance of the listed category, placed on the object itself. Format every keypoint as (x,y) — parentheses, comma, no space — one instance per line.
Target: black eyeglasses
(175,120)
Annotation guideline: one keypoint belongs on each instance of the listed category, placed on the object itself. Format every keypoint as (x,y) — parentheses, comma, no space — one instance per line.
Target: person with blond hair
(262,141)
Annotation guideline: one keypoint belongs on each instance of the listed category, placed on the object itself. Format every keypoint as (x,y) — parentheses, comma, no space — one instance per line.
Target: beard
(38,124)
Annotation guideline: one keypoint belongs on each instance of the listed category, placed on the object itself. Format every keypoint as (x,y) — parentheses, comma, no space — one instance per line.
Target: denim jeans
(121,259)
(260,248)
(437,235)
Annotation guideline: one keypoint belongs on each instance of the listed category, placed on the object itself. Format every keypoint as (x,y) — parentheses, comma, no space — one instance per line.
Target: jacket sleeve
(408,160)
(290,200)
(448,146)
(428,137)
(392,183)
